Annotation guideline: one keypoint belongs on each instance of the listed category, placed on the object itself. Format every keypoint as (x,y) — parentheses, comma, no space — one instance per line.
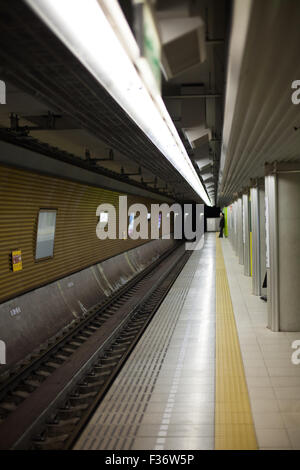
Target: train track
(47,403)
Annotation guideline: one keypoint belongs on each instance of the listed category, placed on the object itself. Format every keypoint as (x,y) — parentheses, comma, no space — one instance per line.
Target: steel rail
(31,396)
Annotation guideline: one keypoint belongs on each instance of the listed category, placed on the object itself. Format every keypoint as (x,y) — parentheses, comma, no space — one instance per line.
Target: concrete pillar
(229,209)
(258,237)
(231,224)
(256,274)
(246,235)
(236,228)
(283,233)
(240,235)
(262,233)
(272,251)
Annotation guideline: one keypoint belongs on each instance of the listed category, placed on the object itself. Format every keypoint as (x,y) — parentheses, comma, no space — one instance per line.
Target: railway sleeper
(99,369)
(132,331)
(33,382)
(96,377)
(119,302)
(54,365)
(83,337)
(47,368)
(112,310)
(93,328)
(105,315)
(62,357)
(142,318)
(67,351)
(127,337)
(97,324)
(91,386)
(63,427)
(121,347)
(82,398)
(85,333)
(76,344)
(106,360)
(72,411)
(37,377)
(113,359)
(23,394)
(50,443)
(43,373)
(8,406)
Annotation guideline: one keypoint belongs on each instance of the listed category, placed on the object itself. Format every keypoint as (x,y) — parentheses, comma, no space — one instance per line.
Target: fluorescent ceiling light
(239,31)
(111,55)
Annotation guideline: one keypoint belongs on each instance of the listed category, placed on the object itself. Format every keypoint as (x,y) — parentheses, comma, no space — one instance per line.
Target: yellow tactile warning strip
(234,428)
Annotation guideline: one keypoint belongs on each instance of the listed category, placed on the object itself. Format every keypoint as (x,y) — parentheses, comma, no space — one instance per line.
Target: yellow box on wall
(16,257)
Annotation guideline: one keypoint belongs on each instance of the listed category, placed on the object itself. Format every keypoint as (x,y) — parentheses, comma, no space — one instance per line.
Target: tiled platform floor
(164,396)
(273,381)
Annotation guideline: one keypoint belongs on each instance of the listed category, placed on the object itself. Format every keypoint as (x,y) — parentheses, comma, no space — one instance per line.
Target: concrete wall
(31,319)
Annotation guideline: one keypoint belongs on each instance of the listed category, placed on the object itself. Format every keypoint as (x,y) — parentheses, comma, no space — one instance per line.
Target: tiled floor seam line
(269,437)
(167,415)
(249,316)
(182,296)
(168,409)
(182,300)
(156,373)
(234,428)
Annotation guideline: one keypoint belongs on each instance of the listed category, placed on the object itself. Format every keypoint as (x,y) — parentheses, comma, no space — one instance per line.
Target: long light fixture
(97,33)
(239,30)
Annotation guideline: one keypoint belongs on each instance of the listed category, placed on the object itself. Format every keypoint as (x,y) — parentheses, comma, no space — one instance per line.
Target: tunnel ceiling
(63,111)
(195,96)
(266,124)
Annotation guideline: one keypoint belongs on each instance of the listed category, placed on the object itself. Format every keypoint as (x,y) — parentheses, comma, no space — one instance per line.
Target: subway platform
(207,373)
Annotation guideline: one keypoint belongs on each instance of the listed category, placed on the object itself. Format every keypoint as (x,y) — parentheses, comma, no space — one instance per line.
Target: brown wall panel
(22,195)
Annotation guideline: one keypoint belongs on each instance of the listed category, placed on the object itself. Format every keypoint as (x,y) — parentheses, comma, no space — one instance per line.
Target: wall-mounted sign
(16,257)
(148,39)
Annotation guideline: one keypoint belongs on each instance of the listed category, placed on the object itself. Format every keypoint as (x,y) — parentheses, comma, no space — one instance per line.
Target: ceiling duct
(207,177)
(208,168)
(183,39)
(203,162)
(197,136)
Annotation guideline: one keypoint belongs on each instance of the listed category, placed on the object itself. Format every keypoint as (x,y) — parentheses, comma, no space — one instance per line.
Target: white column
(240,245)
(255,223)
(283,232)
(235,229)
(288,237)
(246,235)
(272,251)
(262,233)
